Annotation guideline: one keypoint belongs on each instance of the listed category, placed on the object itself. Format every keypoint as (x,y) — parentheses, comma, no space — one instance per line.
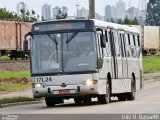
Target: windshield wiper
(71,37)
(54,39)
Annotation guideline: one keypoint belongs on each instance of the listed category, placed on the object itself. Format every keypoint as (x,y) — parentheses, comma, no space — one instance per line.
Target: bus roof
(128,28)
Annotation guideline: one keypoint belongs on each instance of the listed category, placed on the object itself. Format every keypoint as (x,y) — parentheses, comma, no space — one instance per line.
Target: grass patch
(4,58)
(20,74)
(14,81)
(16,99)
(10,87)
(151,64)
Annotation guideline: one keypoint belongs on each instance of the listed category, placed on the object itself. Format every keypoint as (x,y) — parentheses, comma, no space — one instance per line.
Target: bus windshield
(63,52)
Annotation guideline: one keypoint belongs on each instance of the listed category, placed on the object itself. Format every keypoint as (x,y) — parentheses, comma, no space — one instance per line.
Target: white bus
(83,59)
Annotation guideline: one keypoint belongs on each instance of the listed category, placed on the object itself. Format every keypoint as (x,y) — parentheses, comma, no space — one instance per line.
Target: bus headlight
(90,82)
(37,85)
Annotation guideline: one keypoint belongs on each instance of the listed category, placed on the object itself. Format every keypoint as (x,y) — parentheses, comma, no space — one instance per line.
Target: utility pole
(92,9)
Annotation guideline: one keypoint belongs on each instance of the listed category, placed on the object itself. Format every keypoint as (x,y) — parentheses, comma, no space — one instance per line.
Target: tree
(120,21)
(153,12)
(42,18)
(7,15)
(61,15)
(112,20)
(134,21)
(126,20)
(23,14)
(28,16)
(33,16)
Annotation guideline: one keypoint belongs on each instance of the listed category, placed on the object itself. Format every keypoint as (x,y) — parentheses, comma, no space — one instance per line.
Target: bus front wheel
(131,95)
(105,99)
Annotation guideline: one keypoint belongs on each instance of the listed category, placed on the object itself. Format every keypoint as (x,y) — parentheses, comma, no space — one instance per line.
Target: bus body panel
(68,82)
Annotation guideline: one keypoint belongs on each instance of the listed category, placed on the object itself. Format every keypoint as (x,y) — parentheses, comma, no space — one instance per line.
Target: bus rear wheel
(105,99)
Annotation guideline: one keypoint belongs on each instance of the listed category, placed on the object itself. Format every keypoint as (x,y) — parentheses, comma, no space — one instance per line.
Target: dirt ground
(152,76)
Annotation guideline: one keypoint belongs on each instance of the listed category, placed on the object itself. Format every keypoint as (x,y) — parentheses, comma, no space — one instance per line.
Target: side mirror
(26,42)
(99,63)
(102,38)
(28,34)
(103,41)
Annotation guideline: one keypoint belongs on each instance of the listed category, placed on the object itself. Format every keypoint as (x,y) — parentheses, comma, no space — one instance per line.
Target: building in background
(64,10)
(46,12)
(99,17)
(132,12)
(108,13)
(55,12)
(21,6)
(83,12)
(120,10)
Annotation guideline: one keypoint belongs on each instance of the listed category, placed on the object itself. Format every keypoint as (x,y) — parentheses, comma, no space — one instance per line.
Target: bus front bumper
(69,91)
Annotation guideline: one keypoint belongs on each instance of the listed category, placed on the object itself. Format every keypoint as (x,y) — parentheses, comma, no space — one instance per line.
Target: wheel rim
(133,87)
(133,90)
(108,93)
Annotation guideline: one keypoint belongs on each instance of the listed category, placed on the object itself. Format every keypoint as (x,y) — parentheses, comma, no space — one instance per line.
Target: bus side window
(117,48)
(127,44)
(107,43)
(132,41)
(121,44)
(138,40)
(137,46)
(99,45)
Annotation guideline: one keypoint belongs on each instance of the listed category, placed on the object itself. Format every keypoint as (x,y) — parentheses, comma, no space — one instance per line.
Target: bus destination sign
(44,27)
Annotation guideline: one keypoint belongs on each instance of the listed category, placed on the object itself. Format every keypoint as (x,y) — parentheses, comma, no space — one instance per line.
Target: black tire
(50,101)
(78,100)
(86,100)
(122,97)
(131,95)
(105,99)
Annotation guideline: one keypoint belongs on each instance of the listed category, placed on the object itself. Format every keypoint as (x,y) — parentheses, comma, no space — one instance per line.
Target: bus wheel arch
(109,78)
(133,80)
(131,95)
(106,98)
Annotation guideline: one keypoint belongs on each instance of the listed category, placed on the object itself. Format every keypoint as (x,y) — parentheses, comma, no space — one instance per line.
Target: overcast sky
(36,4)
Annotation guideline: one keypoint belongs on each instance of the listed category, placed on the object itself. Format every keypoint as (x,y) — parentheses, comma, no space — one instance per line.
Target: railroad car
(12,38)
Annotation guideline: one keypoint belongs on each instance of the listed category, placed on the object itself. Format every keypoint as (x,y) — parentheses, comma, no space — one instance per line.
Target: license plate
(45,79)
(64,91)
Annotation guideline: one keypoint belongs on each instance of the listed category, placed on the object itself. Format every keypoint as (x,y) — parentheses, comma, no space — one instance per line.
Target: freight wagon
(12,38)
(150,36)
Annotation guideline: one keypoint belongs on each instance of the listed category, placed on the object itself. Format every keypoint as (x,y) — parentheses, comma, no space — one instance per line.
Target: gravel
(14,65)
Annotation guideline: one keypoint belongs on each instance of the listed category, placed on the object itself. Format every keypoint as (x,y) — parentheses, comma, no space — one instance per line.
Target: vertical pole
(92,9)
